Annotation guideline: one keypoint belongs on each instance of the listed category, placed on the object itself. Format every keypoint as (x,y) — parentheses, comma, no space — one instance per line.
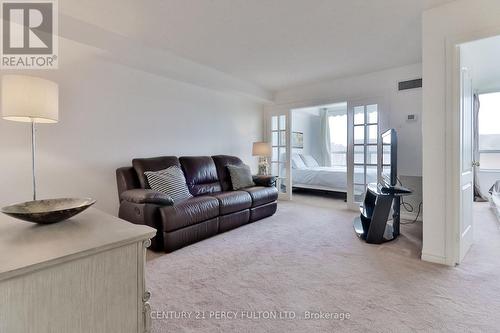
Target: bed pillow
(170,181)
(297,162)
(309,161)
(241,176)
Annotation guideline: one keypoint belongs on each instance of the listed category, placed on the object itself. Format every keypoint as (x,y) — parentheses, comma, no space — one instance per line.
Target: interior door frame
(268,124)
(383,123)
(452,141)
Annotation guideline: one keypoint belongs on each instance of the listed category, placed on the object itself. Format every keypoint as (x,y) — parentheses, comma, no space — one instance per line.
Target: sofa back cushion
(142,165)
(221,163)
(201,175)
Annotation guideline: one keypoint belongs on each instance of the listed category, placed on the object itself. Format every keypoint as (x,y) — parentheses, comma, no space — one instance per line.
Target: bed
(317,177)
(321,178)
(308,174)
(495,198)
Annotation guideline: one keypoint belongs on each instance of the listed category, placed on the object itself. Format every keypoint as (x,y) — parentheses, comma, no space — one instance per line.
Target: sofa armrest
(267,181)
(140,196)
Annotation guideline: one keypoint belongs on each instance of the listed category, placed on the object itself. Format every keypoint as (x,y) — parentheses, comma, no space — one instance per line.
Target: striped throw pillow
(170,181)
(241,176)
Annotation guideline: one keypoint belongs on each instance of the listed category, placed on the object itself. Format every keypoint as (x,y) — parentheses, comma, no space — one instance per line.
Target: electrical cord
(416,218)
(409,207)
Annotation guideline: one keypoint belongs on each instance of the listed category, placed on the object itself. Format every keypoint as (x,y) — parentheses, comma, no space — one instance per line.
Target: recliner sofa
(214,208)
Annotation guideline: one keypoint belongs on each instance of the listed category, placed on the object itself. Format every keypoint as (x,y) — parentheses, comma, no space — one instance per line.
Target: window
(338,137)
(489,131)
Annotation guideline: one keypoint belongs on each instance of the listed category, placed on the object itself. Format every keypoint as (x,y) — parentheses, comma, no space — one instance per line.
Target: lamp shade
(29,99)
(261,149)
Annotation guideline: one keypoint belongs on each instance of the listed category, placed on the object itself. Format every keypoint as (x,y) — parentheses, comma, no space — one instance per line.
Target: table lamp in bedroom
(263,150)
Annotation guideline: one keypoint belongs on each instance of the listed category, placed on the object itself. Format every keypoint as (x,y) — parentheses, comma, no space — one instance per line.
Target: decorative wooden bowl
(48,211)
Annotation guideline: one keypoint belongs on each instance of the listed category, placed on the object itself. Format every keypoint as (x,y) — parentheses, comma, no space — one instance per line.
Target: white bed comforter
(334,178)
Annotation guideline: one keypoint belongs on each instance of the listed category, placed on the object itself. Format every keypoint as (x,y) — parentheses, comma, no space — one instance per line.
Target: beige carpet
(307,258)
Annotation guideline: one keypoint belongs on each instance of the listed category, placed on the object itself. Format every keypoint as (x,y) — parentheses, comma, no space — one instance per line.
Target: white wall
(442,24)
(309,124)
(398,105)
(111,113)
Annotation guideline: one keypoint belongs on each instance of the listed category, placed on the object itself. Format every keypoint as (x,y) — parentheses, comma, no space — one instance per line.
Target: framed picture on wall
(298,140)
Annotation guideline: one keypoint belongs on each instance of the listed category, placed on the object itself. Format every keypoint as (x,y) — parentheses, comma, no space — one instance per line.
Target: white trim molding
(434,259)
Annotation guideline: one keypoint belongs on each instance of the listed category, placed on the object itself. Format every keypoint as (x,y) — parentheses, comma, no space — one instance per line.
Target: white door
(466,163)
(363,166)
(279,124)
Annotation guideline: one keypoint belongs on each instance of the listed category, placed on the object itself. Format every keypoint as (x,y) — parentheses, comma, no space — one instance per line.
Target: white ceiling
(484,56)
(273,43)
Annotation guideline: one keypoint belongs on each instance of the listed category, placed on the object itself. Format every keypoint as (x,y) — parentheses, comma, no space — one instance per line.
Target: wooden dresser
(80,276)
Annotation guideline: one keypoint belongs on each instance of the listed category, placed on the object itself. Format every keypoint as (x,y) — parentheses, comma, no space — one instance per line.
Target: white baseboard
(433,258)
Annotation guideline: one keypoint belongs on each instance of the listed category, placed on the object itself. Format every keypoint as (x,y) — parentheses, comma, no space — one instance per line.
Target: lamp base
(263,166)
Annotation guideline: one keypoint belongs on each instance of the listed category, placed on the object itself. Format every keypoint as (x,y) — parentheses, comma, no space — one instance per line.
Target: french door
(364,148)
(279,124)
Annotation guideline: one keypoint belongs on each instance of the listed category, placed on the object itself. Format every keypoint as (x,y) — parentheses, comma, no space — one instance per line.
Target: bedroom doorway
(478,168)
(319,145)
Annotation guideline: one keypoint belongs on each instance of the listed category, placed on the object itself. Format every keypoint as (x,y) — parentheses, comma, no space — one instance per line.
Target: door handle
(476,164)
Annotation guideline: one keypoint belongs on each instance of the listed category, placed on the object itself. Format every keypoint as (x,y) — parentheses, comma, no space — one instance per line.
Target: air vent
(411,84)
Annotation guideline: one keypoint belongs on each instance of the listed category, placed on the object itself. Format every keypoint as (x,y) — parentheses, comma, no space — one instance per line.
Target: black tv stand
(372,225)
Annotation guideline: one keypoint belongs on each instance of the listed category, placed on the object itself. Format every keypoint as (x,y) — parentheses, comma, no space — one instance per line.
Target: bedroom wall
(441,24)
(309,124)
(398,105)
(111,113)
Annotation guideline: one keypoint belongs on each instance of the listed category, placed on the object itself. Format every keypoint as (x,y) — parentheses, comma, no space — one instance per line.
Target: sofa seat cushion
(233,201)
(262,195)
(189,212)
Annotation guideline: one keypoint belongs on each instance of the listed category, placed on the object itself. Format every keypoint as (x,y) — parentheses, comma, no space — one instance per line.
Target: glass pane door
(279,158)
(364,157)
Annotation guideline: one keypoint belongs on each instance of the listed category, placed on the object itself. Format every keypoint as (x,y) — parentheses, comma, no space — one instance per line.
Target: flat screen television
(389,157)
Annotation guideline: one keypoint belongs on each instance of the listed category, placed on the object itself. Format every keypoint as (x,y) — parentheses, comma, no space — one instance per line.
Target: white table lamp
(32,100)
(263,150)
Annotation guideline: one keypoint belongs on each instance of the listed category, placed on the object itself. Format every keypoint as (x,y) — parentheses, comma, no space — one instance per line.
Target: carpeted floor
(307,258)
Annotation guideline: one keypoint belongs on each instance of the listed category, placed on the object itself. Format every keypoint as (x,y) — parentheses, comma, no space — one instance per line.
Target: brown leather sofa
(214,208)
